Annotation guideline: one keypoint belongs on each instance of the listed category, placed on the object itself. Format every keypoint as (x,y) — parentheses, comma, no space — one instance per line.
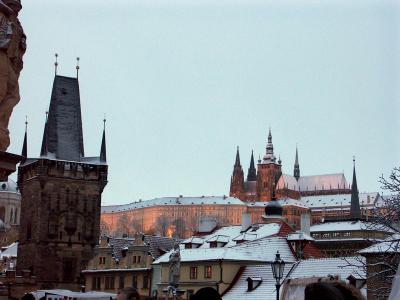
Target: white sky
(183,82)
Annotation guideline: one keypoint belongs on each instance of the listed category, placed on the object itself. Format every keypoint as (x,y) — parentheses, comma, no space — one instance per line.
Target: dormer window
(253,283)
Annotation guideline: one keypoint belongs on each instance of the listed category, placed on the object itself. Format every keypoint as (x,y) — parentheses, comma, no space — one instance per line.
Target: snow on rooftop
(314,182)
(322,267)
(348,226)
(9,251)
(390,245)
(265,291)
(262,250)
(339,200)
(207,200)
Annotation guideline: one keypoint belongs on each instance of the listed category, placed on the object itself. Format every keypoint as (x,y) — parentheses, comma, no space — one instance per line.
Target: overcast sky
(182,83)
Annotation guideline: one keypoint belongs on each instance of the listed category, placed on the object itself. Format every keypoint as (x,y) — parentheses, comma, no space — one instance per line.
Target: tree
(382,259)
(162,225)
(123,227)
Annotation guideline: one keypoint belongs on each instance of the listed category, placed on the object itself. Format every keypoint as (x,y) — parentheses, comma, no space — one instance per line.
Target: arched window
(11,216)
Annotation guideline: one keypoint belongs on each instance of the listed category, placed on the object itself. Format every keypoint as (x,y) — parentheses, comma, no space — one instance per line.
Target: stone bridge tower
(61,195)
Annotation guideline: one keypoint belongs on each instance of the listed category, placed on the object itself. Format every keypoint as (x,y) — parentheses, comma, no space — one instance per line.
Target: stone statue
(12,49)
(174,266)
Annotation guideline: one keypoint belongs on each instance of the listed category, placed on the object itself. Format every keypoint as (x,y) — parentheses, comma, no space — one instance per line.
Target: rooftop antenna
(56,63)
(77,67)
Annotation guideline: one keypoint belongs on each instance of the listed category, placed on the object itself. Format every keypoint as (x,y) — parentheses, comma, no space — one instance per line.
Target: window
(109,283)
(193,272)
(96,283)
(145,281)
(207,271)
(121,281)
(138,259)
(102,260)
(134,281)
(134,259)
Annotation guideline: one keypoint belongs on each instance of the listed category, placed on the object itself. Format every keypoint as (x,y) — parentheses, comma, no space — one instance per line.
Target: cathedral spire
(355,212)
(296,171)
(237,179)
(269,156)
(237,161)
(43,150)
(252,173)
(103,153)
(24,152)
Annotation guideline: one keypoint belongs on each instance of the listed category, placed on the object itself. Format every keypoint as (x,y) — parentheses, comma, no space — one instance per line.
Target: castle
(268,182)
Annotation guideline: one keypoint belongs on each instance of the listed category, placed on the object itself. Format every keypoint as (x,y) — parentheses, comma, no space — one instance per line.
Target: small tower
(355,212)
(268,173)
(237,179)
(103,153)
(296,171)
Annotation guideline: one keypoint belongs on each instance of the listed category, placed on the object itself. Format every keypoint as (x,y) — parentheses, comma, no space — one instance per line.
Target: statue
(174,266)
(12,49)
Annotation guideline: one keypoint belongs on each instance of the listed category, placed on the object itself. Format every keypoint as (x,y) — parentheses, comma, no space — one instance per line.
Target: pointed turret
(237,179)
(43,149)
(103,153)
(24,152)
(296,171)
(252,173)
(355,212)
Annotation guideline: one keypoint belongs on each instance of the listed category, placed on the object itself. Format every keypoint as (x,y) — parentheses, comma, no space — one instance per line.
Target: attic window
(3,186)
(253,283)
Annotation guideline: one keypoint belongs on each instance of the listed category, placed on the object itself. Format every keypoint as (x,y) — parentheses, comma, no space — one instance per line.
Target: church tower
(237,179)
(296,170)
(61,195)
(268,173)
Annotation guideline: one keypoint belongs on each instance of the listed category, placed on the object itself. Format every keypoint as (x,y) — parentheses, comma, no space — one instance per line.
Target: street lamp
(278,265)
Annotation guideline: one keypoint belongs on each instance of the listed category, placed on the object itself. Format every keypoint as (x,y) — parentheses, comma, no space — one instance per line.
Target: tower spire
(252,173)
(355,212)
(24,152)
(237,160)
(296,171)
(103,153)
(43,150)
(269,156)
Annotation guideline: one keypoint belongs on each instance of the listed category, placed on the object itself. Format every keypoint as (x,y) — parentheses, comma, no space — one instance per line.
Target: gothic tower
(355,212)
(268,173)
(237,179)
(296,170)
(61,195)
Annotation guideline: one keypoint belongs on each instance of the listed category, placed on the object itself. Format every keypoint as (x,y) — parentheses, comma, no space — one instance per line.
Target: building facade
(61,196)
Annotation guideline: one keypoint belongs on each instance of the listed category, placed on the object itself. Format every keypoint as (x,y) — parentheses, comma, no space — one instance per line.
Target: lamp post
(278,266)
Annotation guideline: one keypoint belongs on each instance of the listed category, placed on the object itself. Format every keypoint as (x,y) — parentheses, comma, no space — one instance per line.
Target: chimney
(305,223)
(246,221)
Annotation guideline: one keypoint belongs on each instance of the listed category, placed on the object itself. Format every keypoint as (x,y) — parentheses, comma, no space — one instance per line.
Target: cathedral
(61,195)
(267,181)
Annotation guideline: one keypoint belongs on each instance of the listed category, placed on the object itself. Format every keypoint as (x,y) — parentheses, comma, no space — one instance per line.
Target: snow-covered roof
(322,267)
(265,291)
(10,251)
(39,294)
(299,236)
(390,245)
(282,202)
(314,182)
(339,200)
(229,235)
(207,200)
(260,250)
(348,226)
